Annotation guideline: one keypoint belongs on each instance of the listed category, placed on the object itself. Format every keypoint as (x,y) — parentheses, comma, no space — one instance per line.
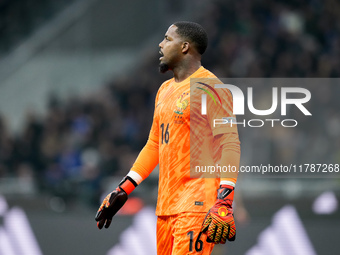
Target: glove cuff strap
(127,185)
(225,192)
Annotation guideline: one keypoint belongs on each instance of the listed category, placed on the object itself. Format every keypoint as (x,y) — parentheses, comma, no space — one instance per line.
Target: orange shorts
(179,235)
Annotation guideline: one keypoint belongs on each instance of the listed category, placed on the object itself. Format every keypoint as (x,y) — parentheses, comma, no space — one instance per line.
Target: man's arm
(219,222)
(146,161)
(231,154)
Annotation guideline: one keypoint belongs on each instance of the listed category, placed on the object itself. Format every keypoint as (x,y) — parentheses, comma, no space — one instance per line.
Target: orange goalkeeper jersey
(178,191)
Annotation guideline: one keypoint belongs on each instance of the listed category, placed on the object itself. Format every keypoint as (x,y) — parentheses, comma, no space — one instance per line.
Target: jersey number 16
(165,133)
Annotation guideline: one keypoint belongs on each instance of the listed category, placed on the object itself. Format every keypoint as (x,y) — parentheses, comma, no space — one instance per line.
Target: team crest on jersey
(181,104)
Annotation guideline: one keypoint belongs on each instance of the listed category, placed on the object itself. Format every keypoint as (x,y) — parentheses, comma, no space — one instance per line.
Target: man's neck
(181,73)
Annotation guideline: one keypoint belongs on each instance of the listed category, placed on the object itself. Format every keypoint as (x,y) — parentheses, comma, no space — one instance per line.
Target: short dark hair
(193,32)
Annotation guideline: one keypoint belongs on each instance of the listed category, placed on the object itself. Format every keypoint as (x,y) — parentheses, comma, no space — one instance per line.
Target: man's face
(170,49)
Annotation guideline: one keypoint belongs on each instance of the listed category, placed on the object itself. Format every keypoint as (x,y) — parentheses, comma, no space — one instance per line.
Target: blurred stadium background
(77,87)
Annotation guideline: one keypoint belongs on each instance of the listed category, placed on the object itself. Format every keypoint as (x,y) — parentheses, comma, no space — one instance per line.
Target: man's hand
(219,222)
(113,202)
(110,206)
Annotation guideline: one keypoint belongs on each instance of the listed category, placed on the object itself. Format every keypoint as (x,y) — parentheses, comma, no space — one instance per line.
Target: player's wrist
(127,185)
(226,194)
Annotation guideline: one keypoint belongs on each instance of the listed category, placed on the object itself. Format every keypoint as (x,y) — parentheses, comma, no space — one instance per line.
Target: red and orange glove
(219,222)
(114,201)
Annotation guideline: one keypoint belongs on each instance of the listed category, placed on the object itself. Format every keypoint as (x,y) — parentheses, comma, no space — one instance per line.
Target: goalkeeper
(194,214)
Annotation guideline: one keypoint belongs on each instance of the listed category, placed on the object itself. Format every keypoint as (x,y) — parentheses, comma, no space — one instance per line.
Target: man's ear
(185,47)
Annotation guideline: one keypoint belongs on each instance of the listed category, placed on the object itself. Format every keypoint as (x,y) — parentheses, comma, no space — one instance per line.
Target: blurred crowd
(82,141)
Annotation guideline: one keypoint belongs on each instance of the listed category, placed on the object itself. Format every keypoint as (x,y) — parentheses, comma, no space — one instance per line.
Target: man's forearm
(146,161)
(231,154)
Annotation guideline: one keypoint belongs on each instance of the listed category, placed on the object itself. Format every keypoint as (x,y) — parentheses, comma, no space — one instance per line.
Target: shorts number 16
(198,243)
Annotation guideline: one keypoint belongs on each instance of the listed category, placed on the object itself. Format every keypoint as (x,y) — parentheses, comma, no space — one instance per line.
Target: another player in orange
(183,140)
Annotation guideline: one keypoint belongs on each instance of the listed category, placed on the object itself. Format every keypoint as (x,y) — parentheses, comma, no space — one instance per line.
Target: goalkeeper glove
(219,221)
(114,201)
